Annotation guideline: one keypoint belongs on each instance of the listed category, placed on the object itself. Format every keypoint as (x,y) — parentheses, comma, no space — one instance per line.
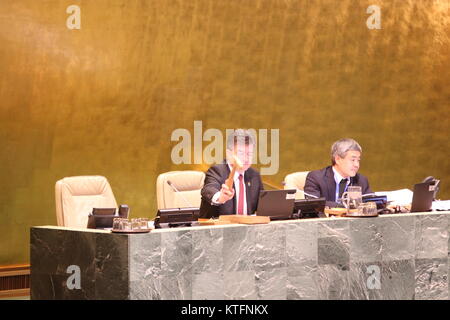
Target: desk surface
(318,220)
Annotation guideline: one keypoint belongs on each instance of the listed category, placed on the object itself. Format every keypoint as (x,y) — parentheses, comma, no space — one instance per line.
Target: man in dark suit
(217,198)
(332,181)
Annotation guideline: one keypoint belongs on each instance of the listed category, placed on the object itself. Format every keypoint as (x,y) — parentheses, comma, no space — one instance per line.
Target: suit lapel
(233,203)
(331,184)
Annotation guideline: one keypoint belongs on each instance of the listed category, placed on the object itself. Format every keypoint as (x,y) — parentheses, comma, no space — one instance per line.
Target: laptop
(423,196)
(276,204)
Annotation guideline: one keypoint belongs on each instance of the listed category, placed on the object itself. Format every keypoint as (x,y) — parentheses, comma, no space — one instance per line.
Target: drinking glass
(126,225)
(135,224)
(144,223)
(352,198)
(116,223)
(368,208)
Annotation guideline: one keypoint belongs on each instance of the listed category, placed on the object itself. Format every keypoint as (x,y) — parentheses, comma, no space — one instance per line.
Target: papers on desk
(403,197)
(441,205)
(400,197)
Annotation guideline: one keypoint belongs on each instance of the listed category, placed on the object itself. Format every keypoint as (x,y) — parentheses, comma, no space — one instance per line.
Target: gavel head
(238,163)
(239,160)
(240,145)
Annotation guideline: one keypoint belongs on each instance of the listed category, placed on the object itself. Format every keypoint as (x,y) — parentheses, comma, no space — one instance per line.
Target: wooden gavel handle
(229,181)
(237,164)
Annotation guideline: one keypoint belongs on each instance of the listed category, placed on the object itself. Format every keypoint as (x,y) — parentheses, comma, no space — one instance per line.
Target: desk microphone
(306,194)
(181,195)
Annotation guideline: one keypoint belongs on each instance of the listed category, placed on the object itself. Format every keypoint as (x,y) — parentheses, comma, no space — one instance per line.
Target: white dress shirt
(337,179)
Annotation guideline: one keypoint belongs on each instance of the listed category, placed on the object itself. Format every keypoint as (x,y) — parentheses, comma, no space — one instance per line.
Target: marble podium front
(401,256)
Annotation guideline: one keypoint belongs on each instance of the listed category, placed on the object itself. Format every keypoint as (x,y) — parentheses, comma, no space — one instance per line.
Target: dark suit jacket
(215,177)
(321,184)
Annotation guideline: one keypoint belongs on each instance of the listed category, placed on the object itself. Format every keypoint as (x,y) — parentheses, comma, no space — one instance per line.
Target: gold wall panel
(105,99)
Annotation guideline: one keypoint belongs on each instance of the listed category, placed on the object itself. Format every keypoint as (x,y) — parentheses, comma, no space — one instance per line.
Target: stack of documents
(400,197)
(441,205)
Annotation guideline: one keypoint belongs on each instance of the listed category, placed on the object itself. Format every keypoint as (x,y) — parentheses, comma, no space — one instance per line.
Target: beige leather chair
(189,185)
(76,196)
(296,180)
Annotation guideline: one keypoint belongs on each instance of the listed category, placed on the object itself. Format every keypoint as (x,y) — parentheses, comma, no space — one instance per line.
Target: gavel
(237,165)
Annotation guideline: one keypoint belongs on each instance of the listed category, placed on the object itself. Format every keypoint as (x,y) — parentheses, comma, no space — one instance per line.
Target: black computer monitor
(381,201)
(309,208)
(177,217)
(102,218)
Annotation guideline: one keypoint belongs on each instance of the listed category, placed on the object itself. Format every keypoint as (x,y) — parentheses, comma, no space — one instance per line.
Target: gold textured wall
(105,99)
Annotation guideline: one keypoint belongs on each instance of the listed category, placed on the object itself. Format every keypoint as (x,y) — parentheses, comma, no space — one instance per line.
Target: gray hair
(341,147)
(240,136)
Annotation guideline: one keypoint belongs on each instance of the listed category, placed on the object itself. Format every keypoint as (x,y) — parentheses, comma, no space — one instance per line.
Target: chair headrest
(185,180)
(86,185)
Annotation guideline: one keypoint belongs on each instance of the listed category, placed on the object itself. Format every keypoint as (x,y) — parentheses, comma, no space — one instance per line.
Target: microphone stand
(189,205)
(306,194)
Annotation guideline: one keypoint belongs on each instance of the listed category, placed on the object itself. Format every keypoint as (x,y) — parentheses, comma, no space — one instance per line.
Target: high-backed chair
(296,180)
(188,183)
(76,196)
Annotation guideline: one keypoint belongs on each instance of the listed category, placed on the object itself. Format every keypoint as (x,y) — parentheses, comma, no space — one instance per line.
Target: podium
(398,256)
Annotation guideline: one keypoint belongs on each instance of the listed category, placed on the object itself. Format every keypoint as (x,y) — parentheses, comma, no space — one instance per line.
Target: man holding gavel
(232,187)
